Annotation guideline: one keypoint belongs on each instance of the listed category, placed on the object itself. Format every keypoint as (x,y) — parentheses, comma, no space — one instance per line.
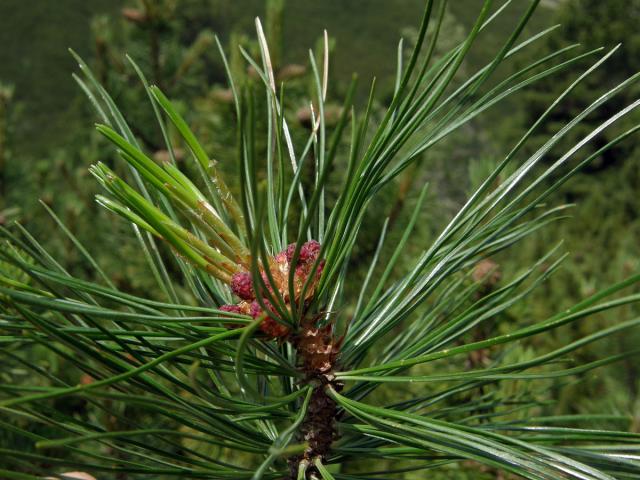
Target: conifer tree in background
(606,190)
(605,25)
(6,98)
(272,371)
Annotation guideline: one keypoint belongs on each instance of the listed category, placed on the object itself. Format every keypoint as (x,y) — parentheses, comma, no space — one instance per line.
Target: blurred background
(47,141)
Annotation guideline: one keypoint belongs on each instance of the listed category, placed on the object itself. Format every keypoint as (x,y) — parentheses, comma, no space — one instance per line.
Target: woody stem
(317,349)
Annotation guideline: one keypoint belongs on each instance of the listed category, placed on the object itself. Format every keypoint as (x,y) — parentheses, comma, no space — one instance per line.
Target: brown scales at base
(319,350)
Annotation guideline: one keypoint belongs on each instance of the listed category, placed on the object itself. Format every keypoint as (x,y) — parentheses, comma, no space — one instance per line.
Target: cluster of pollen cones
(307,269)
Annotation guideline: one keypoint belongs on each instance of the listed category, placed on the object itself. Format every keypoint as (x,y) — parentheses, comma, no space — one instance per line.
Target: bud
(242,285)
(231,309)
(310,251)
(289,251)
(279,266)
(269,325)
(256,308)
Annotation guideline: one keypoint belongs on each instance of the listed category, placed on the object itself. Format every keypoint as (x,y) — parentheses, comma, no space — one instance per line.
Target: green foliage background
(46,144)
